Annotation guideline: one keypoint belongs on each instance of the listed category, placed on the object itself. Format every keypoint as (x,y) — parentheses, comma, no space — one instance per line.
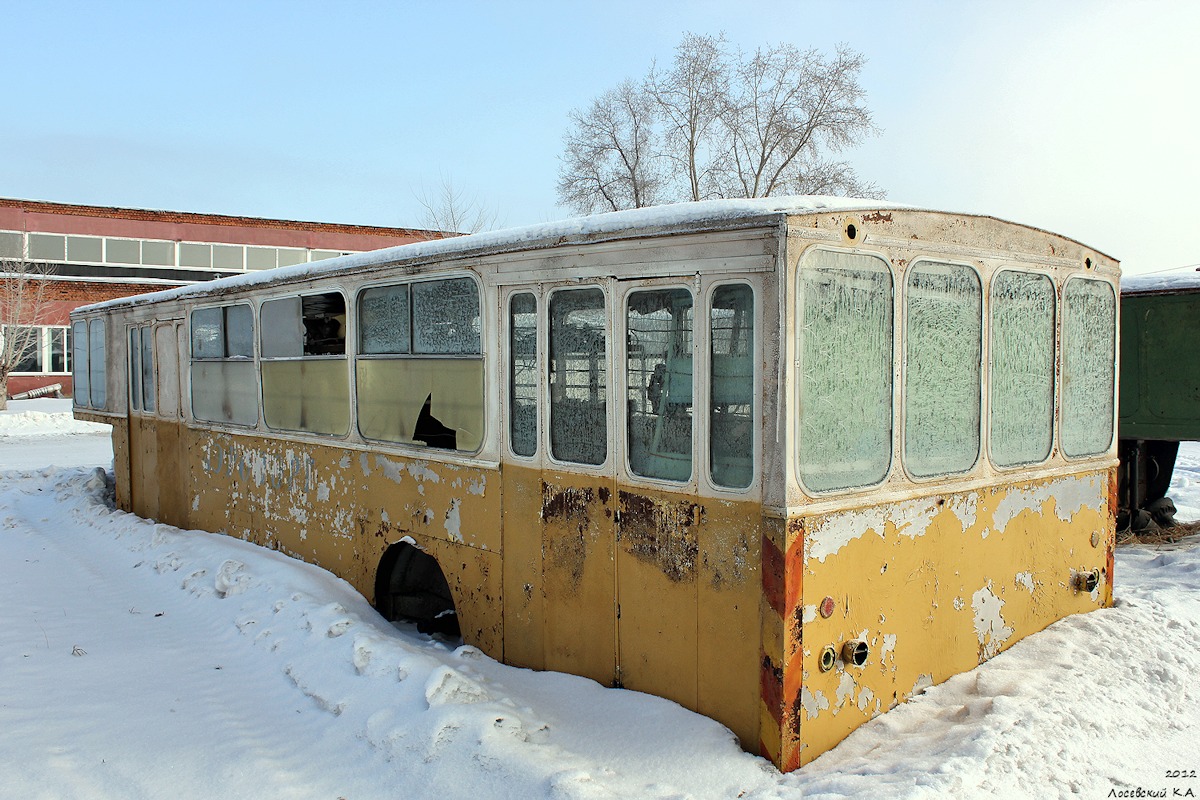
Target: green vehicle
(1160,392)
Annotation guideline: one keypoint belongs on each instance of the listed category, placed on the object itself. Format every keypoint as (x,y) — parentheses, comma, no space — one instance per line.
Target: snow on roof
(668,216)
(1173,282)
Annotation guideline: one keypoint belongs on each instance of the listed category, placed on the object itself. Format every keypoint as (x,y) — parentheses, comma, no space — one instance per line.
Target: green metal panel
(1160,366)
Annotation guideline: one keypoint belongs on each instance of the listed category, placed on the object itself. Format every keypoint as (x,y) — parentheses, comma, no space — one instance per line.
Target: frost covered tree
(718,123)
(23,303)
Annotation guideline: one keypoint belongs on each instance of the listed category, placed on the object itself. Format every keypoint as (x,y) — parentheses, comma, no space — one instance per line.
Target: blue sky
(1079,117)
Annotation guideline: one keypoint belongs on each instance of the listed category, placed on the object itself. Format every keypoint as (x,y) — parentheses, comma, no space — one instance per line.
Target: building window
(47,247)
(89,249)
(1089,366)
(12,245)
(224,381)
(42,349)
(658,370)
(419,368)
(1022,368)
(844,320)
(942,368)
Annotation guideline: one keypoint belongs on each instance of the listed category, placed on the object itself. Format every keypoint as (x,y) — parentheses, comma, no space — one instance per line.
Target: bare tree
(786,107)
(610,161)
(690,98)
(717,123)
(23,301)
(450,210)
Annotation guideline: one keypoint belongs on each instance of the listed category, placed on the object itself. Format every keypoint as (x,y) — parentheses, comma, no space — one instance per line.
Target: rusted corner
(771,688)
(878,216)
(662,533)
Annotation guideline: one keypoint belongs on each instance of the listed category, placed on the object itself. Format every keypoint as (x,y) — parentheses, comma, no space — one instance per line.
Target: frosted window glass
(1022,368)
(79,363)
(85,248)
(383,320)
(225,391)
(260,258)
(942,369)
(195,255)
(307,395)
(282,330)
(135,368)
(578,376)
(1089,358)
(239,331)
(731,416)
(844,320)
(47,247)
(523,374)
(97,378)
(123,251)
(446,317)
(207,334)
(289,256)
(158,253)
(148,384)
(12,245)
(658,371)
(228,256)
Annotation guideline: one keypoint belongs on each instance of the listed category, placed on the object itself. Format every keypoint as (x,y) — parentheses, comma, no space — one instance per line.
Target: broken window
(732,373)
(942,369)
(658,371)
(419,369)
(578,378)
(523,374)
(1022,368)
(844,320)
(1089,365)
(224,381)
(305,385)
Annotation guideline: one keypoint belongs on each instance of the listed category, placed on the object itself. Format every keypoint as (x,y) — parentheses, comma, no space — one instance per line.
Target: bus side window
(658,363)
(522,374)
(844,320)
(578,376)
(1022,368)
(305,385)
(732,378)
(419,367)
(943,345)
(224,383)
(97,378)
(1089,366)
(80,363)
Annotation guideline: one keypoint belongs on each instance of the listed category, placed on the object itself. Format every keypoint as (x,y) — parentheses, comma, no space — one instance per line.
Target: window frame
(982,382)
(252,359)
(756,390)
(355,354)
(606,465)
(797,367)
(990,351)
(1064,343)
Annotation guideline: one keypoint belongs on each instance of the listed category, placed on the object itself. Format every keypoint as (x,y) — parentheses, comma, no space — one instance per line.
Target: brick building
(95,253)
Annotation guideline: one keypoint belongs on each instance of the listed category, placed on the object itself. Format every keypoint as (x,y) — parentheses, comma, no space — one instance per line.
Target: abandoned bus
(786,462)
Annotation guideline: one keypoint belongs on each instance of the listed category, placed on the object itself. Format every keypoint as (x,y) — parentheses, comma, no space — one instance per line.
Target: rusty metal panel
(728,591)
(578,576)
(524,615)
(936,585)
(657,568)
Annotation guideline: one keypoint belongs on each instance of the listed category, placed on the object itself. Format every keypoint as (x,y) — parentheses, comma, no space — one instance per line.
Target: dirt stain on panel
(662,533)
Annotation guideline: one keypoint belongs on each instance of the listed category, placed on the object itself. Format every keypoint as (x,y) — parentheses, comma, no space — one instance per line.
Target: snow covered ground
(141,661)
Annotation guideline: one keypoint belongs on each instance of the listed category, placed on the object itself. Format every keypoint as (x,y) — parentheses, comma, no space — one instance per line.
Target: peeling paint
(392,470)
(453,521)
(989,622)
(1024,579)
(813,703)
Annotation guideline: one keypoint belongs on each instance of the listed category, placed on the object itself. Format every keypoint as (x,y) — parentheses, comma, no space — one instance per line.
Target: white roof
(1173,282)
